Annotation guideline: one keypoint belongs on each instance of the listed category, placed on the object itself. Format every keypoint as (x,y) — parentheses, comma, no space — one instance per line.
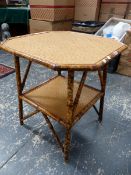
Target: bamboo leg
(103,84)
(96,109)
(53,131)
(69,114)
(78,94)
(101,109)
(31,114)
(19,88)
(26,74)
(67,144)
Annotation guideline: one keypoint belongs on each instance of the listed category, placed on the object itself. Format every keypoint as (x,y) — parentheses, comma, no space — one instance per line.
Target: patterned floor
(96,149)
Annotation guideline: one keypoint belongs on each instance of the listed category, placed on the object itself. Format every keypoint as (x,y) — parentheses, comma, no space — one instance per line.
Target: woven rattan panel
(53,97)
(63,49)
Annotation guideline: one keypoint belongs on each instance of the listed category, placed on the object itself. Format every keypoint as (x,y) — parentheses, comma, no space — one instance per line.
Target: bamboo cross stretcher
(62,98)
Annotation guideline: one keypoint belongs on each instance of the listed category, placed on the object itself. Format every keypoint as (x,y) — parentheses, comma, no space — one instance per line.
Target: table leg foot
(21,112)
(21,123)
(67,145)
(101,110)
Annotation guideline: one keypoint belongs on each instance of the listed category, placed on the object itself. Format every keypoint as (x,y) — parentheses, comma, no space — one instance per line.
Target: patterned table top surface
(64,50)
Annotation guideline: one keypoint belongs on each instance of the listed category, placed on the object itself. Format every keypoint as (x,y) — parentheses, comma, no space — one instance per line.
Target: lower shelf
(51,98)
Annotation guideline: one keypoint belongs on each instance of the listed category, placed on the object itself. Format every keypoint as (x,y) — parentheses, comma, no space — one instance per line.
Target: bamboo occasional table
(62,98)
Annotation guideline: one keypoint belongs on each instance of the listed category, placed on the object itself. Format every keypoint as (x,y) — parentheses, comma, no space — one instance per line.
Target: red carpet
(5,70)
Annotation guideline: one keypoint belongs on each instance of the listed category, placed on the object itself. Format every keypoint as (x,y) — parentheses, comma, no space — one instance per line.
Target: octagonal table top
(64,49)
